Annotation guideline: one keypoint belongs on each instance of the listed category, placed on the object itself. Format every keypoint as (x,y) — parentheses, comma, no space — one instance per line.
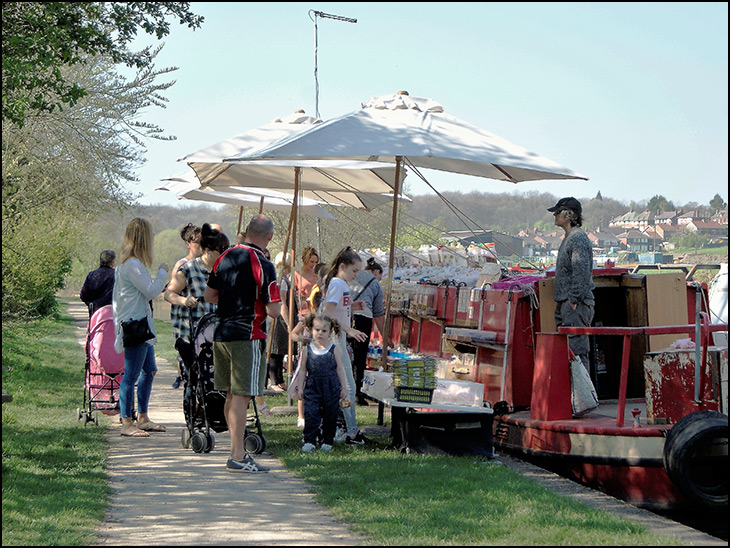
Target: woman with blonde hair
(133,291)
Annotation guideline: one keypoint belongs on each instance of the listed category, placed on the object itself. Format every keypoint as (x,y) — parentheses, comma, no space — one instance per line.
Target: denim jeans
(139,364)
(348,412)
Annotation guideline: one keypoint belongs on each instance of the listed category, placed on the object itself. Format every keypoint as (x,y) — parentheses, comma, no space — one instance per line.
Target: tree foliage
(659,204)
(61,169)
(717,203)
(42,39)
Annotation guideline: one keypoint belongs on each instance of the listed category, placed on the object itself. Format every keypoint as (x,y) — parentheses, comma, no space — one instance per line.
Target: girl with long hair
(338,305)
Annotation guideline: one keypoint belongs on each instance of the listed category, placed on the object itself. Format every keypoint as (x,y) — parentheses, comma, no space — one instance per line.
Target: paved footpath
(164,494)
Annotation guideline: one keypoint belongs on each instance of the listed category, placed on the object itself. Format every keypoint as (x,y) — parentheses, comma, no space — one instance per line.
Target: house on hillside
(550,241)
(667,218)
(668,231)
(720,217)
(707,228)
(636,241)
(688,217)
(603,239)
(633,219)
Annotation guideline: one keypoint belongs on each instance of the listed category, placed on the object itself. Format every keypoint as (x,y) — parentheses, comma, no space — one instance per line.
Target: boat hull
(625,462)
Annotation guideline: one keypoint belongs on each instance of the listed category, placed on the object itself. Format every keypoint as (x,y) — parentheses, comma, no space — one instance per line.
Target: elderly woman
(133,290)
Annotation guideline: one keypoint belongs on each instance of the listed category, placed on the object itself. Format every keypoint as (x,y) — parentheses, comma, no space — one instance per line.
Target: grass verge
(55,487)
(396,499)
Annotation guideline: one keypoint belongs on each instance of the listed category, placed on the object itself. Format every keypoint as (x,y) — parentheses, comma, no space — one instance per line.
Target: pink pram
(104,368)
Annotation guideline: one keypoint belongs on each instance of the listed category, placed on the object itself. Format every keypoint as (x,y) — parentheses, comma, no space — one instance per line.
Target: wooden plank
(666,297)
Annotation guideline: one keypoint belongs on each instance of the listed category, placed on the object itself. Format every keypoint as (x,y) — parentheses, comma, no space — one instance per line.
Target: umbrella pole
(286,244)
(289,368)
(240,217)
(391,260)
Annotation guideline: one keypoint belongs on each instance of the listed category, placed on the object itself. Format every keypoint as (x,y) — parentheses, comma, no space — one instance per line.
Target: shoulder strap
(356,297)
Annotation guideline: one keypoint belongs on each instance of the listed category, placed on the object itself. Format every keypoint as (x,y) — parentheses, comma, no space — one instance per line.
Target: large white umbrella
(418,129)
(398,129)
(349,183)
(187,187)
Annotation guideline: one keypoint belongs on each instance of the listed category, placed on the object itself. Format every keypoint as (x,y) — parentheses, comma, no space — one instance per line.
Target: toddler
(322,384)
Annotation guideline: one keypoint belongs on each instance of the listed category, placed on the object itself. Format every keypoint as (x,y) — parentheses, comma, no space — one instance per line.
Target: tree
(717,203)
(61,170)
(40,39)
(659,204)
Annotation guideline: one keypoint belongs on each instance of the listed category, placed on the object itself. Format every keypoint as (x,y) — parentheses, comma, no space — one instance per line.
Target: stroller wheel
(199,442)
(253,443)
(185,438)
(211,443)
(78,413)
(95,420)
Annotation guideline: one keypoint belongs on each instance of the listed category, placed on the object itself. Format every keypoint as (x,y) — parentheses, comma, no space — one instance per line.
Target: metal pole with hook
(316,47)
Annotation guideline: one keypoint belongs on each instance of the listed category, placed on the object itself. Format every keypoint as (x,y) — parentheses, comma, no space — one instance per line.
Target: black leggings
(360,350)
(276,369)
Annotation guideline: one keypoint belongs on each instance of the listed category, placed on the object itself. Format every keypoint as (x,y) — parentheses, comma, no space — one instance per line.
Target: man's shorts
(239,367)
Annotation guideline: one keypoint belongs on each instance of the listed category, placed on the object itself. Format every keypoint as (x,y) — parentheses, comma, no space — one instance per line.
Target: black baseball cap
(567,203)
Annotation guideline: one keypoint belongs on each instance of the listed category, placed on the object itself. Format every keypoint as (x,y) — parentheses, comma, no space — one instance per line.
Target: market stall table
(464,424)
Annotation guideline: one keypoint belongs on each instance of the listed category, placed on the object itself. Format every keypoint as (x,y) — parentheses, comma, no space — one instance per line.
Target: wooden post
(391,261)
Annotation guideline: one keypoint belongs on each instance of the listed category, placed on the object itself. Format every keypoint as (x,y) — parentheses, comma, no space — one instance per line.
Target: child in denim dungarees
(324,386)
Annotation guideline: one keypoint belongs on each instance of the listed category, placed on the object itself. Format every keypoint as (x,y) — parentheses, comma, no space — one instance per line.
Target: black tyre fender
(681,424)
(696,458)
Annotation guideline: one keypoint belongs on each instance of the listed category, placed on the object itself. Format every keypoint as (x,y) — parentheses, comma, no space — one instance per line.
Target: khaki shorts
(239,367)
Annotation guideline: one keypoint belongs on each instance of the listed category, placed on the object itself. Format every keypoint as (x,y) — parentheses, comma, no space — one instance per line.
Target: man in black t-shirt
(243,284)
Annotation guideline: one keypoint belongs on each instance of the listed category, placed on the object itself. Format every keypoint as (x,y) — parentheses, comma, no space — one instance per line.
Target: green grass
(55,487)
(399,500)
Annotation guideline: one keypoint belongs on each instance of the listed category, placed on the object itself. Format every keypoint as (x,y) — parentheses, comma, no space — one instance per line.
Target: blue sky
(632,95)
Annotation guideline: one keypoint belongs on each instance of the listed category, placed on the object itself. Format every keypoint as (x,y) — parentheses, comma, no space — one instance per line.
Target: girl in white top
(133,289)
(337,304)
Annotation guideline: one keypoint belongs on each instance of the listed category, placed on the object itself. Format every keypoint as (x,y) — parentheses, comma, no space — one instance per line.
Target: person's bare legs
(235,409)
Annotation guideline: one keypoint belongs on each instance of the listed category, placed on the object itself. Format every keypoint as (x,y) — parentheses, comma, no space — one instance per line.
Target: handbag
(583,395)
(135,332)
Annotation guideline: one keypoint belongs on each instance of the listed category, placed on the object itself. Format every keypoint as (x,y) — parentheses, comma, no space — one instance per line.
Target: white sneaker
(308,448)
(325,447)
(300,423)
(340,435)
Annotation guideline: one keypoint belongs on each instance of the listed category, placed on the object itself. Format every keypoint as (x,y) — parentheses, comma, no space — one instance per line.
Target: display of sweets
(414,372)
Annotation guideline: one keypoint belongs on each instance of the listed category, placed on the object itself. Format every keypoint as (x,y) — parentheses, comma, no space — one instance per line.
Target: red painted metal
(669,387)
(509,379)
(551,383)
(430,338)
(627,333)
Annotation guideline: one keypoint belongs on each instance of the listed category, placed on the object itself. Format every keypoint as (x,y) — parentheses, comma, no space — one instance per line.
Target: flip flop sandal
(135,434)
(151,427)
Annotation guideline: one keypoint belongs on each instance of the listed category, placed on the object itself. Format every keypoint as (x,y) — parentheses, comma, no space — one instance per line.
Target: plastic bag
(582,392)
(295,383)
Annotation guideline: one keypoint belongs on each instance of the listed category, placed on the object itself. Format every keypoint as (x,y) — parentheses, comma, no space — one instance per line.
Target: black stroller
(203,406)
